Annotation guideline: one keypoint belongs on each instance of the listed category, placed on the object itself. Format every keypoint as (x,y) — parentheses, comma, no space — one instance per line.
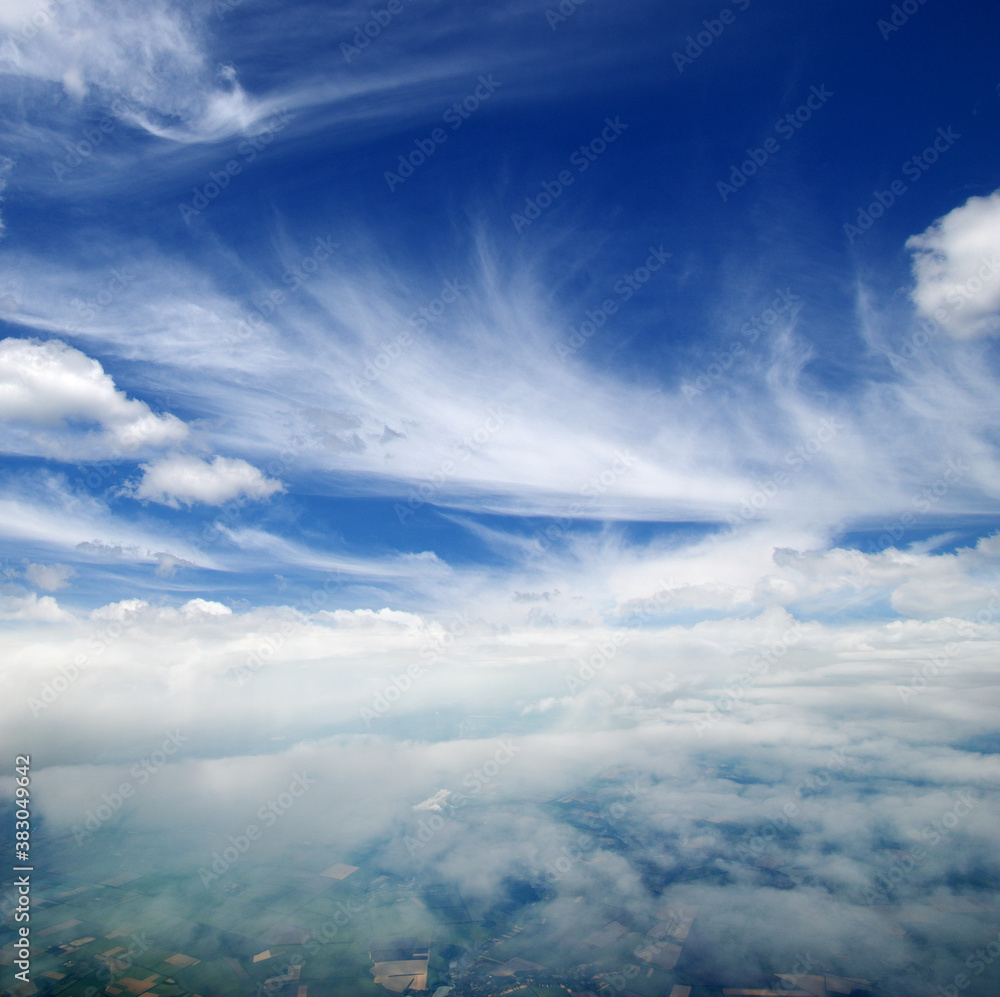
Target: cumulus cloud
(957,268)
(50,577)
(435,802)
(205,607)
(32,608)
(59,402)
(184,480)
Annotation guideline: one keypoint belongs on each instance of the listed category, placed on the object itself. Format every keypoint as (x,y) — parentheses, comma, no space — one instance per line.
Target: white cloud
(54,397)
(32,609)
(853,730)
(696,458)
(382,621)
(50,577)
(168,564)
(957,268)
(205,607)
(435,802)
(145,61)
(181,479)
(16,14)
(119,610)
(6,164)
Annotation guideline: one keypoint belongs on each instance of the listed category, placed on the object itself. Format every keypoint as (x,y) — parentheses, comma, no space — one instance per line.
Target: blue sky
(511,318)
(122,256)
(298,155)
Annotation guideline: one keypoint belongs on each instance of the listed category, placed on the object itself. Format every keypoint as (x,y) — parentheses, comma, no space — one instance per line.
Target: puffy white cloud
(33,609)
(435,802)
(119,610)
(205,607)
(50,577)
(181,479)
(382,620)
(59,402)
(957,268)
